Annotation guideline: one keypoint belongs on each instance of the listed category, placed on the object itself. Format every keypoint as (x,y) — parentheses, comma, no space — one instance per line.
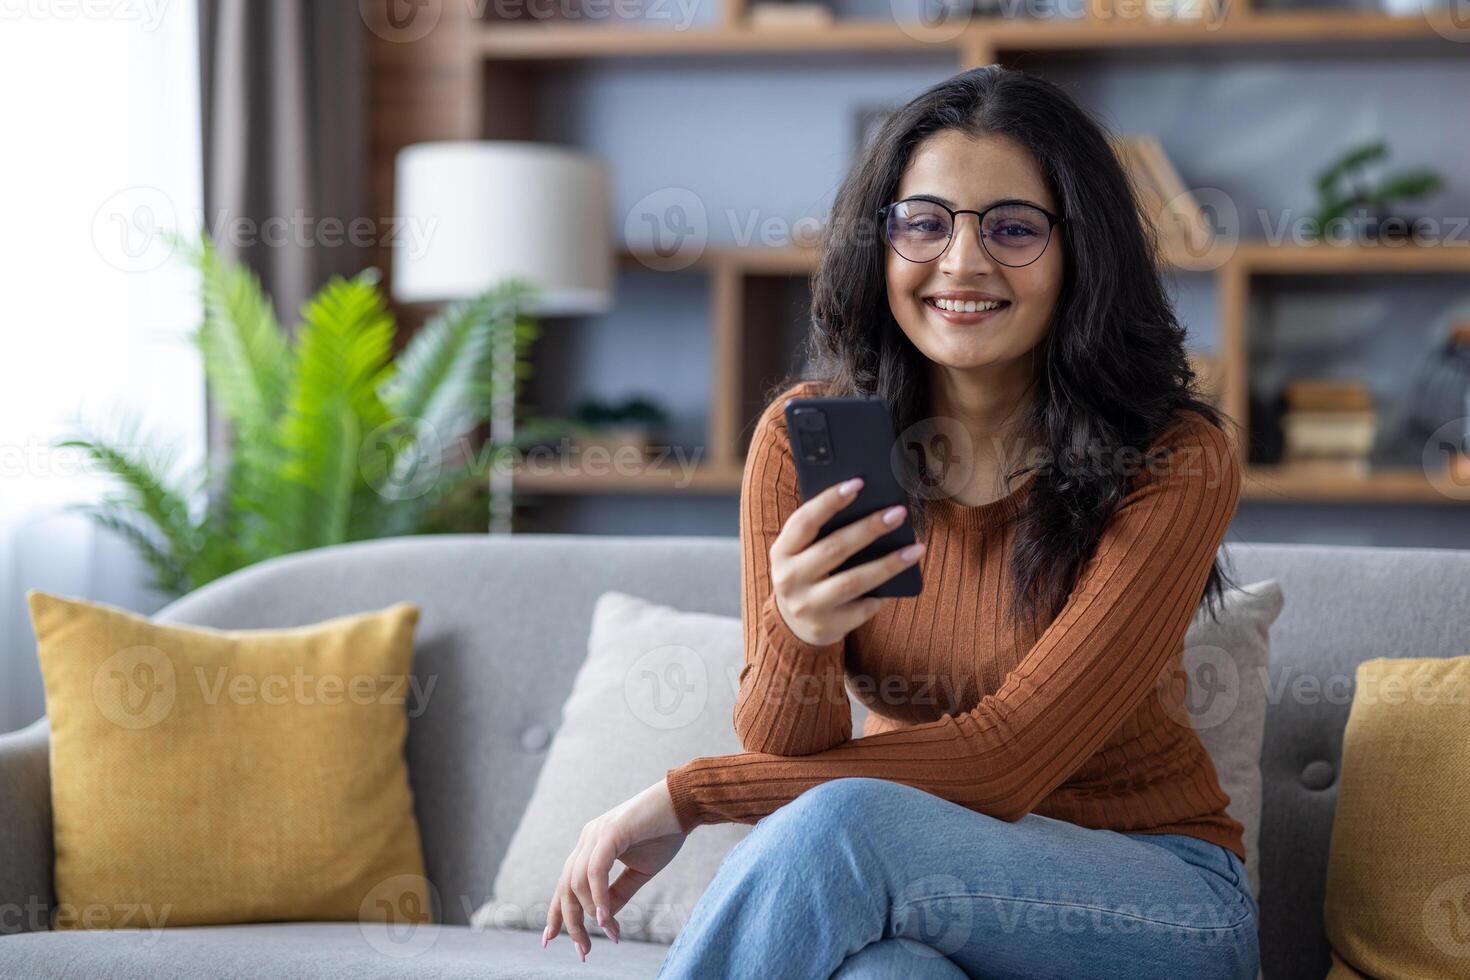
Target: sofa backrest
(504,630)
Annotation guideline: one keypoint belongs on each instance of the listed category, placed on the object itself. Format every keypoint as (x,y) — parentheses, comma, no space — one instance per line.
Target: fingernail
(911,552)
(850,487)
(544,938)
(583,952)
(893,515)
(601,914)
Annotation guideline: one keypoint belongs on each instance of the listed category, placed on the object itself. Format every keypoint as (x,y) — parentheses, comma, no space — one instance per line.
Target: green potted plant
(637,422)
(333,438)
(1342,191)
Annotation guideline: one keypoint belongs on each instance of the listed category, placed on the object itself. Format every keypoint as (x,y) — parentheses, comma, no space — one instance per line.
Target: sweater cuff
(686,807)
(791,647)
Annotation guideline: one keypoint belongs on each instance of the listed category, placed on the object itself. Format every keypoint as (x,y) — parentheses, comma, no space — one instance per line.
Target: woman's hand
(644,834)
(820,607)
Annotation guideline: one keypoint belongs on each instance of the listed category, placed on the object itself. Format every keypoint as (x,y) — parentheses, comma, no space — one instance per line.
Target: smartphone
(836,439)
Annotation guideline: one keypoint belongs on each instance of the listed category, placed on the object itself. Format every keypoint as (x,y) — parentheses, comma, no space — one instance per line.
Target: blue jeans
(870,878)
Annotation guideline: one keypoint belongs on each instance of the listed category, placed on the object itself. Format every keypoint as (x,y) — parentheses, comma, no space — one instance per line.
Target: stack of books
(1329,425)
(777,13)
(1164,199)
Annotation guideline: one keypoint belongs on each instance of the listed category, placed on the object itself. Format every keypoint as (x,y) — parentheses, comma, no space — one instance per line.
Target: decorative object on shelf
(1414,8)
(333,439)
(949,11)
(1166,200)
(1364,203)
(1441,397)
(1148,10)
(638,422)
(1329,425)
(496,209)
(789,13)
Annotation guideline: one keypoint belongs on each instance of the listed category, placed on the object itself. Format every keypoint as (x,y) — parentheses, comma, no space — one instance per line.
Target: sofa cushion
(1398,872)
(656,690)
(1228,665)
(321,951)
(202,776)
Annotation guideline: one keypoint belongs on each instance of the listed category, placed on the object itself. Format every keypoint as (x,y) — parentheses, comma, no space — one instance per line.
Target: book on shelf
(772,14)
(1329,433)
(1327,395)
(1164,198)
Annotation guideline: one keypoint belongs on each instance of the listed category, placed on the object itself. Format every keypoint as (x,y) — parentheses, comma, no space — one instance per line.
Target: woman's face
(969,173)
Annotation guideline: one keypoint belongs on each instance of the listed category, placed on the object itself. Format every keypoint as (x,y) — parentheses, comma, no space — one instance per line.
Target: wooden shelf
(476,78)
(1283,483)
(1326,258)
(1262,483)
(553,41)
(662,477)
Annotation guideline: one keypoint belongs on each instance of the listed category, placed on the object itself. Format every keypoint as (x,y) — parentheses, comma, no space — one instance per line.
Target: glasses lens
(1015,234)
(918,230)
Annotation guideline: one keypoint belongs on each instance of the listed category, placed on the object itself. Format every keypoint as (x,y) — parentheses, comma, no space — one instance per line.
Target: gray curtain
(283,94)
(284,97)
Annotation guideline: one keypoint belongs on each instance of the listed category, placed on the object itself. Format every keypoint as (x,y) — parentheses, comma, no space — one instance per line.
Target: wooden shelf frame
(980,42)
(1234,268)
(477,79)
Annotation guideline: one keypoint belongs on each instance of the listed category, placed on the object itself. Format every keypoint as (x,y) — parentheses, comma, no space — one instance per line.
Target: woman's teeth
(965,306)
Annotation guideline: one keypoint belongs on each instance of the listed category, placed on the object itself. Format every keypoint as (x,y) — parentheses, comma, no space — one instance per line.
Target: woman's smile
(965,312)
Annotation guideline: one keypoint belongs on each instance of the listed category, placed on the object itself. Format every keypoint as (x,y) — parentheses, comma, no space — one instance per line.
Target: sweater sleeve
(1126,616)
(792,698)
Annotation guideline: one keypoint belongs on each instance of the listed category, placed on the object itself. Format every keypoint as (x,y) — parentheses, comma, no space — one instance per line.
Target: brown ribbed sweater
(1073,719)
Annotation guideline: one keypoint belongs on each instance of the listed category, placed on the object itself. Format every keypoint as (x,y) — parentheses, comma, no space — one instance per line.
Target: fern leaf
(344,357)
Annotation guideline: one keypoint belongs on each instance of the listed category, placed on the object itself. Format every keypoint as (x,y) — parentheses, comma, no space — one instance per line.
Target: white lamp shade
(473,213)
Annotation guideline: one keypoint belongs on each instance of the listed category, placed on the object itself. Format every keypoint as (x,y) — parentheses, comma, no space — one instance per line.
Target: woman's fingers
(553,921)
(806,520)
(599,870)
(571,911)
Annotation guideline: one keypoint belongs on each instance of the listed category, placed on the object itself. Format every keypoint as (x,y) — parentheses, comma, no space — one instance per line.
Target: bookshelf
(482,78)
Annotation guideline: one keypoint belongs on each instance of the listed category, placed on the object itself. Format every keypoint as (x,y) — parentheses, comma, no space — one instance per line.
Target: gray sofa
(504,627)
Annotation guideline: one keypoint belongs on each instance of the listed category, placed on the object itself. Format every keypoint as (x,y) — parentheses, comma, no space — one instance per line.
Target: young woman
(1028,797)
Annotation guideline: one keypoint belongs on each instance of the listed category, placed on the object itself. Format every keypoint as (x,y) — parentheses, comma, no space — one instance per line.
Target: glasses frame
(954,218)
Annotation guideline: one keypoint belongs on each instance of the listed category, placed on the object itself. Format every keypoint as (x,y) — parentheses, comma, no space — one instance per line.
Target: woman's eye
(1016,231)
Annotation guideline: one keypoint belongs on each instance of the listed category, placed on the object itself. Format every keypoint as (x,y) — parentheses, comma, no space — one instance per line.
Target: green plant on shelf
(333,439)
(1343,191)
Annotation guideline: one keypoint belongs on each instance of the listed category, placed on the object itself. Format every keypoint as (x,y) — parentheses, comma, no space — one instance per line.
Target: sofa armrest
(25,830)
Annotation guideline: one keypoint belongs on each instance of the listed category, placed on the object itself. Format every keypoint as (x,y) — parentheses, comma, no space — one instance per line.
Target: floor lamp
(472,213)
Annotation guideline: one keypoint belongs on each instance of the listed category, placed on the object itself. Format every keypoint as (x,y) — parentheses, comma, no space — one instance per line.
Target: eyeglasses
(1013,233)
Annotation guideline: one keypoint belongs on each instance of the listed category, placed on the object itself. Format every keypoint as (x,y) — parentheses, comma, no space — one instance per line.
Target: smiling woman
(1072,493)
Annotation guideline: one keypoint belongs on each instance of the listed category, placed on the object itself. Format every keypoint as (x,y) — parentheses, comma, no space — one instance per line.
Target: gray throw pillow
(1229,664)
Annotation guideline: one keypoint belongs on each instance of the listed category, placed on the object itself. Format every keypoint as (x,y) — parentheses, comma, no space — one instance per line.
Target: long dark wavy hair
(1112,370)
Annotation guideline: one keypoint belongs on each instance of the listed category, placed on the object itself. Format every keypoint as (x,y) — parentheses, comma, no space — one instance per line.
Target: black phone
(835,439)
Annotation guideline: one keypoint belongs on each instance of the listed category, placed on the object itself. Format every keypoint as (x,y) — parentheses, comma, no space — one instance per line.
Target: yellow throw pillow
(1398,874)
(212,776)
